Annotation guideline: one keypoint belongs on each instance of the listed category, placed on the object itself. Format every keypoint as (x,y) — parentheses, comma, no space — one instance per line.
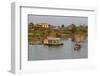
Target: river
(66,51)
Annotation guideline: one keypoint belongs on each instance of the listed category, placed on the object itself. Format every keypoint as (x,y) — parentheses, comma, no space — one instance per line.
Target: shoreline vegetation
(37,33)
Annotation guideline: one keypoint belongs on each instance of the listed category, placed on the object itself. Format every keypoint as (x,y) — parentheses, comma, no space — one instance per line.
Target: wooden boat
(77,46)
(52,41)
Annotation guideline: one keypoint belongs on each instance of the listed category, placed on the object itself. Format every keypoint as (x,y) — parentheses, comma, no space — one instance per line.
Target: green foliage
(62,26)
(39,33)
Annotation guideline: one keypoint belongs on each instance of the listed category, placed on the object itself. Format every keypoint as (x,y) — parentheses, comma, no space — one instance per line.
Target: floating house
(52,41)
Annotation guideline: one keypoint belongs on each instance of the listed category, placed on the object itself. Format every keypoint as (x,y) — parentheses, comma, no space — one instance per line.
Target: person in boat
(78,38)
(77,46)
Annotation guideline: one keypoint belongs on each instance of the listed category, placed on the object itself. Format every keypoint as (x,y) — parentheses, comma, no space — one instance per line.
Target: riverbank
(37,32)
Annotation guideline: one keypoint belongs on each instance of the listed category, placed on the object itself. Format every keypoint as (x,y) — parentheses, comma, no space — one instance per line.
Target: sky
(57,20)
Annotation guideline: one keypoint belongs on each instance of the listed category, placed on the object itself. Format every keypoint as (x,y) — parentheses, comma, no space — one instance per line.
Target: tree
(62,26)
(30,25)
(73,28)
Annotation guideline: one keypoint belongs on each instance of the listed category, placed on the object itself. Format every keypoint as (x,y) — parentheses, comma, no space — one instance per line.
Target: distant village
(44,33)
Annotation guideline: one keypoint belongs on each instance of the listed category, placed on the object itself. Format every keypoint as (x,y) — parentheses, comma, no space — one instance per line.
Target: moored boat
(77,46)
(52,41)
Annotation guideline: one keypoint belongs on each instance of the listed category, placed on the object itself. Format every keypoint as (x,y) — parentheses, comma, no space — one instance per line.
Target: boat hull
(54,44)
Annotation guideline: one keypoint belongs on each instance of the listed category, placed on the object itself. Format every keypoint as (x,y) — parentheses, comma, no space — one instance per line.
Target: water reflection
(66,51)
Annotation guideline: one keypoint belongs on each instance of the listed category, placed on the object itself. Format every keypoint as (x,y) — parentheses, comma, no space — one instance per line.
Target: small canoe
(77,46)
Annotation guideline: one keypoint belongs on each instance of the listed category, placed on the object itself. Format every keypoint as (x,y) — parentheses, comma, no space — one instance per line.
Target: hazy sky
(57,20)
